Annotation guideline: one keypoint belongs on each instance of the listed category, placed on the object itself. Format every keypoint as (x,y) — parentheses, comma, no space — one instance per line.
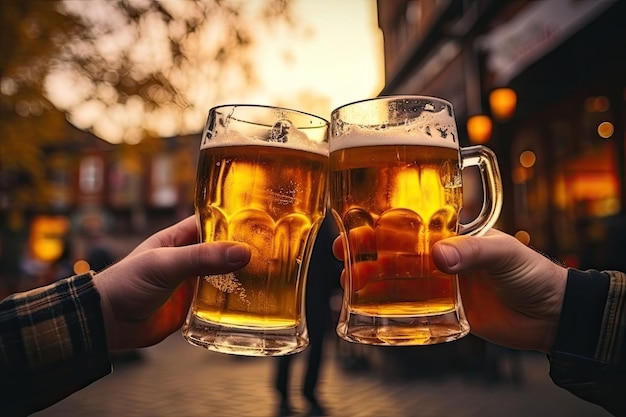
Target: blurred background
(102,104)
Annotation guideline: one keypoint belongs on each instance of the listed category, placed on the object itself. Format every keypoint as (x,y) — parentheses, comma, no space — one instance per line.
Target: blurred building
(542,83)
(560,142)
(95,190)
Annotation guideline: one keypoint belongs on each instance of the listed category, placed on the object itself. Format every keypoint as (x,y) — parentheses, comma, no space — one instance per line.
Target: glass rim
(393,97)
(233,106)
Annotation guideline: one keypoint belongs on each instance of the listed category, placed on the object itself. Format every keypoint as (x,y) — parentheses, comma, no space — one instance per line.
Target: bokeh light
(527,159)
(606,130)
(523,236)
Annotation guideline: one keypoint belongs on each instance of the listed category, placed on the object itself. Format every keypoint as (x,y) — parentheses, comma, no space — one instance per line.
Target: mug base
(244,342)
(402,331)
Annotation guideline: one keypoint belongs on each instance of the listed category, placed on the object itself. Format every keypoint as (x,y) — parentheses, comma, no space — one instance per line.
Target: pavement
(177,379)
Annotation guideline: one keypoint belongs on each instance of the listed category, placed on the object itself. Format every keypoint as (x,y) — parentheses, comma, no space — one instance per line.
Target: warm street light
(606,130)
(479,128)
(502,102)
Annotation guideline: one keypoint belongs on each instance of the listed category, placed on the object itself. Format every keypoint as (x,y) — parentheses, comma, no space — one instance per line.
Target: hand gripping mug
(396,189)
(262,180)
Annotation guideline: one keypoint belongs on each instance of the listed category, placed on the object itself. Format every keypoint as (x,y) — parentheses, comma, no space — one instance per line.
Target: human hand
(512,295)
(146,295)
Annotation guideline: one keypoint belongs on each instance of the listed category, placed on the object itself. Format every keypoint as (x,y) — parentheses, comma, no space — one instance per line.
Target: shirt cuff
(578,362)
(53,344)
(582,313)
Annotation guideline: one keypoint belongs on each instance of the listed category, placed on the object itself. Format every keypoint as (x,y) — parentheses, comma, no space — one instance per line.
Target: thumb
(448,257)
(133,289)
(460,253)
(147,279)
(168,267)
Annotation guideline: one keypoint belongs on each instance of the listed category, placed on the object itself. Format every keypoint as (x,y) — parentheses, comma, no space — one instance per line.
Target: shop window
(91,174)
(163,191)
(125,183)
(60,191)
(592,178)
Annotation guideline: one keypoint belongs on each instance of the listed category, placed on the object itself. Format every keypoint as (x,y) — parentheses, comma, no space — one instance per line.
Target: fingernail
(237,254)
(450,254)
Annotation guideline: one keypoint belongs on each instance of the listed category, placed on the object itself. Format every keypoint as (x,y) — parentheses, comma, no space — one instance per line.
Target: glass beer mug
(396,189)
(262,180)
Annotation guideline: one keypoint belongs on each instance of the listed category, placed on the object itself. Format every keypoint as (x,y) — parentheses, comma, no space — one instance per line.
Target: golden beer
(263,180)
(272,198)
(395,202)
(396,189)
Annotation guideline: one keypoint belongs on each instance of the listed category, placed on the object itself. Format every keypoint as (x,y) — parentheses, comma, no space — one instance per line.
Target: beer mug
(396,189)
(262,179)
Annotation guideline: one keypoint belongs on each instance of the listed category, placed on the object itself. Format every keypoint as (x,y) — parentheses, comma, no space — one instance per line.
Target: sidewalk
(177,379)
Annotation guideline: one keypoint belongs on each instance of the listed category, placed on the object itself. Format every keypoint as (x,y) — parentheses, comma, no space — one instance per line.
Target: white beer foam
(432,129)
(233,138)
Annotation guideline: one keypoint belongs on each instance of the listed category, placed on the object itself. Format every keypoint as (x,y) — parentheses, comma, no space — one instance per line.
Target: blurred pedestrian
(99,254)
(64,266)
(322,280)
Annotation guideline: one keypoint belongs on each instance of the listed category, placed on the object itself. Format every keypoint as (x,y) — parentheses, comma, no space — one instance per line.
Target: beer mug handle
(485,159)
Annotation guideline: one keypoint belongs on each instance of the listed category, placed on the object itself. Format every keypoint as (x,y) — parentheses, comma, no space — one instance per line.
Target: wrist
(108,313)
(559,280)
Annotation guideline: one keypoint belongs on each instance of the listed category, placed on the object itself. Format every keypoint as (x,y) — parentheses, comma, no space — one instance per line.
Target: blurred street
(177,379)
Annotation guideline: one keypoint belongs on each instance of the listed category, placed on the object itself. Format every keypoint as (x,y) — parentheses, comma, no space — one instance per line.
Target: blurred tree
(31,35)
(125,70)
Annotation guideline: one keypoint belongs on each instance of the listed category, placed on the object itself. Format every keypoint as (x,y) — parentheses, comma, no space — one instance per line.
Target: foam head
(237,125)
(399,120)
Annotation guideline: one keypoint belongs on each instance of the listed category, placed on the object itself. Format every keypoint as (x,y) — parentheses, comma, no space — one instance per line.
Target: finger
(171,266)
(338,248)
(342,278)
(492,252)
(182,233)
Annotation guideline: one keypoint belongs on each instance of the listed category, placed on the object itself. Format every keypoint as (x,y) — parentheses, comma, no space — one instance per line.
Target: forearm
(52,343)
(588,355)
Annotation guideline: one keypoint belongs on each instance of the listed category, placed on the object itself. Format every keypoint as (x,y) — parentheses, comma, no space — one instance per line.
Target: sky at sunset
(331,57)
(341,61)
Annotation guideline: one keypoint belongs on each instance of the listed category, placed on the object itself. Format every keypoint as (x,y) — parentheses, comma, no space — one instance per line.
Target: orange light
(523,236)
(605,130)
(479,128)
(598,104)
(592,185)
(503,102)
(81,266)
(520,175)
(46,237)
(527,159)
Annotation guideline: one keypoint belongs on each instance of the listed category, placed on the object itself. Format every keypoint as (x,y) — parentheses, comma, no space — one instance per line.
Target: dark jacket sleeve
(52,343)
(588,357)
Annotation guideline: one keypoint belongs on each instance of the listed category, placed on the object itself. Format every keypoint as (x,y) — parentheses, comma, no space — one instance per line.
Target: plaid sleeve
(588,358)
(52,343)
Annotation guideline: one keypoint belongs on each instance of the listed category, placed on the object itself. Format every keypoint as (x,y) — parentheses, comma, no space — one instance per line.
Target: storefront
(561,152)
